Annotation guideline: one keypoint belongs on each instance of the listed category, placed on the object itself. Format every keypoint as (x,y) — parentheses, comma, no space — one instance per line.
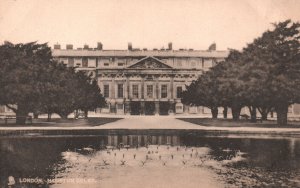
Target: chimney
(129,46)
(56,46)
(69,46)
(99,46)
(212,47)
(170,46)
(86,47)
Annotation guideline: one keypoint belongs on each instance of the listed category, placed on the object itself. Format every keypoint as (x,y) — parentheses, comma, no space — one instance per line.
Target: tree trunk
(225,112)
(252,114)
(264,116)
(282,112)
(49,116)
(264,113)
(86,114)
(272,114)
(35,115)
(76,114)
(214,112)
(236,111)
(21,117)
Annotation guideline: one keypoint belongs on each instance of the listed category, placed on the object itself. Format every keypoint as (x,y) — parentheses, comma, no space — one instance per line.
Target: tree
(31,81)
(21,66)
(69,91)
(89,95)
(276,54)
(204,92)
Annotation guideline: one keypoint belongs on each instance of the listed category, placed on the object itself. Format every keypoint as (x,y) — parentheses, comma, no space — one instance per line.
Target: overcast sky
(145,23)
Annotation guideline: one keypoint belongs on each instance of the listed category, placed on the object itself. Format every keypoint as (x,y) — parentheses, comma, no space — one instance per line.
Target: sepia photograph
(149,93)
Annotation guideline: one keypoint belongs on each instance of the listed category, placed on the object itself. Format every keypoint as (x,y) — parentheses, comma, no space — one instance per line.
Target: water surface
(150,160)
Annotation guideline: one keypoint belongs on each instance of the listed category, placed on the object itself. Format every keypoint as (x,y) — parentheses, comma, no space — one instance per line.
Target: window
(179,92)
(84,62)
(135,91)
(106,91)
(150,91)
(120,64)
(120,90)
(70,62)
(106,64)
(164,92)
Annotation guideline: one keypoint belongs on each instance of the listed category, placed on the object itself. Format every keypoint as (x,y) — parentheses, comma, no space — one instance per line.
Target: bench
(247,117)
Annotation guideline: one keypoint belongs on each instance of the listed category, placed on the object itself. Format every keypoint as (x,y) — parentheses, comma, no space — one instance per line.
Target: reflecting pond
(156,160)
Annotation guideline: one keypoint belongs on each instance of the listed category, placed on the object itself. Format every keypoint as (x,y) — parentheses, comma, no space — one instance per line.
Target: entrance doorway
(164,108)
(135,108)
(149,108)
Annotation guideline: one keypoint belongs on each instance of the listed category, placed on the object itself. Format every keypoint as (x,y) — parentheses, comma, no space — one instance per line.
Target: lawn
(57,122)
(240,123)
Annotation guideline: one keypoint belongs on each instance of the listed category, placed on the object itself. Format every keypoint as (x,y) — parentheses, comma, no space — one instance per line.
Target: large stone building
(141,81)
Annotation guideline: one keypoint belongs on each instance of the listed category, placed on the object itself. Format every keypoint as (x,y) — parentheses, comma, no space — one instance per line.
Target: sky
(145,23)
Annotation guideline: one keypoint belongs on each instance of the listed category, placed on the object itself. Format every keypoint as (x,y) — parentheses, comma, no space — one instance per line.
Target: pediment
(150,63)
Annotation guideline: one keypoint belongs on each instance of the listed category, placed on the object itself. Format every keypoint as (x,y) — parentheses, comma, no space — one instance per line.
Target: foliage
(265,75)
(31,81)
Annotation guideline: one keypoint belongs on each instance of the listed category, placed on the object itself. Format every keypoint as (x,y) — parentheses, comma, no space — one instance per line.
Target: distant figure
(105,162)
(123,163)
(134,156)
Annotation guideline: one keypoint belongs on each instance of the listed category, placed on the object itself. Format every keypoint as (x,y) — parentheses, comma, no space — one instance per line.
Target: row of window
(135,91)
(206,63)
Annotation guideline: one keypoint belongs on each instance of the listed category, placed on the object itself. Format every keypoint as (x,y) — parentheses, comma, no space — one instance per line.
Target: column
(143,87)
(112,91)
(156,103)
(142,94)
(142,107)
(172,104)
(127,96)
(157,88)
(172,86)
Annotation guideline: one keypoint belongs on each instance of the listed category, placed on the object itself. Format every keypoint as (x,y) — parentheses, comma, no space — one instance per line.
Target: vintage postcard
(149,93)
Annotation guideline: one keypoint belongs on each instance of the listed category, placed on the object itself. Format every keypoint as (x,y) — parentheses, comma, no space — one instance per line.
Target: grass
(241,123)
(57,122)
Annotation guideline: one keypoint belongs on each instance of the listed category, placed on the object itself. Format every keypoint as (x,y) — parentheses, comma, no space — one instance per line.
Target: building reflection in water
(142,140)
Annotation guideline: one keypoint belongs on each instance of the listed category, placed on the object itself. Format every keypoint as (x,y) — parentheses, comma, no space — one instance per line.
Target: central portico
(147,87)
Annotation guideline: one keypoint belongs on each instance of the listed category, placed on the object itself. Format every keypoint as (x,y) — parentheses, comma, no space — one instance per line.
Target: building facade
(142,82)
